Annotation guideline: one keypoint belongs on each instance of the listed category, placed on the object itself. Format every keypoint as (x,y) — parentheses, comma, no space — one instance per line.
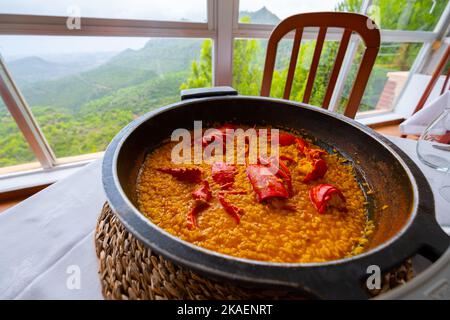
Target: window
(14,150)
(249,55)
(397,55)
(83,90)
(272,12)
(388,77)
(407,14)
(83,85)
(168,10)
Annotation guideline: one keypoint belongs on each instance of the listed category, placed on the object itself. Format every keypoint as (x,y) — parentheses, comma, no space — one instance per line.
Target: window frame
(427,38)
(222,26)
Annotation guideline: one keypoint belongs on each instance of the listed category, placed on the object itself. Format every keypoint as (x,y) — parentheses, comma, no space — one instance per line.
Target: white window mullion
(223,44)
(211,14)
(18,107)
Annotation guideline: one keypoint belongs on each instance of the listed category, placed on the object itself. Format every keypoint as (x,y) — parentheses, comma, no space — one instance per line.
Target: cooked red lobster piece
(278,167)
(184,174)
(286,139)
(312,165)
(313,168)
(325,196)
(223,174)
(287,158)
(192,216)
(265,183)
(203,193)
(315,153)
(302,145)
(231,209)
(218,136)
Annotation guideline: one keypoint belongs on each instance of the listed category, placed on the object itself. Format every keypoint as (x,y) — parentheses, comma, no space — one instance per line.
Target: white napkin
(418,122)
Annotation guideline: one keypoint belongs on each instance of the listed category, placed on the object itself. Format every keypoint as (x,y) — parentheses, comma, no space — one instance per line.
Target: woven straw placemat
(129,270)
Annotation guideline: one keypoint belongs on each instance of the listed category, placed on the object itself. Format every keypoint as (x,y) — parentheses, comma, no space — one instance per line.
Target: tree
(246,66)
(249,57)
(201,71)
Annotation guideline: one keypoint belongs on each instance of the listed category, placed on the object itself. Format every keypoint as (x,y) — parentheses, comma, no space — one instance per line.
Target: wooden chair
(350,22)
(430,87)
(434,78)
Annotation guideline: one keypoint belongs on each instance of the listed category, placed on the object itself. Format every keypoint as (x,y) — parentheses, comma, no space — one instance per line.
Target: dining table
(48,239)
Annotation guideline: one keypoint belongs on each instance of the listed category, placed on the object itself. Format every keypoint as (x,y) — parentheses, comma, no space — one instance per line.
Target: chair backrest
(349,22)
(434,78)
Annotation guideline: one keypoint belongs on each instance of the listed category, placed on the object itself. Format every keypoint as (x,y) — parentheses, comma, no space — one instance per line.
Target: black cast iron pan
(406,227)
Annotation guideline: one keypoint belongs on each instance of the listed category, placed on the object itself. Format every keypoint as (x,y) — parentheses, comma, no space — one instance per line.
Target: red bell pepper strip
(192,216)
(319,168)
(231,209)
(203,193)
(265,183)
(184,174)
(223,174)
(325,196)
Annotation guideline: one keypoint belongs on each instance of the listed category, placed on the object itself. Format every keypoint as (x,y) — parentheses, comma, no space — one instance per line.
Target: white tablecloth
(48,239)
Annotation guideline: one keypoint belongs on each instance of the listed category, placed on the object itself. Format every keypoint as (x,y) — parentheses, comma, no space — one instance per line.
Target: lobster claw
(325,196)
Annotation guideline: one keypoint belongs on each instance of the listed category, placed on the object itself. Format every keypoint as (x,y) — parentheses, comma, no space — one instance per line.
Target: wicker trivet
(129,270)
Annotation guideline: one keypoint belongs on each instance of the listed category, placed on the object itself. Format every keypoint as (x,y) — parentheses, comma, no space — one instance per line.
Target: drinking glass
(433,149)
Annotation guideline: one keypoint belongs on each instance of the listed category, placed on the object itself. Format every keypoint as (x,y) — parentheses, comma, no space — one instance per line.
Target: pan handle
(434,239)
(348,280)
(188,94)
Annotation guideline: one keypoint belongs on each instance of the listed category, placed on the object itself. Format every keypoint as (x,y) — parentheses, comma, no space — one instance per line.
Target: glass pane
(272,11)
(388,76)
(170,10)
(83,90)
(14,149)
(385,83)
(407,14)
(249,55)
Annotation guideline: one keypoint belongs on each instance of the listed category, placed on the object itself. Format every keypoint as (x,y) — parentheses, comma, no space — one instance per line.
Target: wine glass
(433,149)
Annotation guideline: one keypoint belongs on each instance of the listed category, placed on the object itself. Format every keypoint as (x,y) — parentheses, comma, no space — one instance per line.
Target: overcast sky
(192,10)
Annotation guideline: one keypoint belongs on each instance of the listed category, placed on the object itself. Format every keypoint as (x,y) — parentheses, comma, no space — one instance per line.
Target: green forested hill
(128,68)
(94,124)
(81,111)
